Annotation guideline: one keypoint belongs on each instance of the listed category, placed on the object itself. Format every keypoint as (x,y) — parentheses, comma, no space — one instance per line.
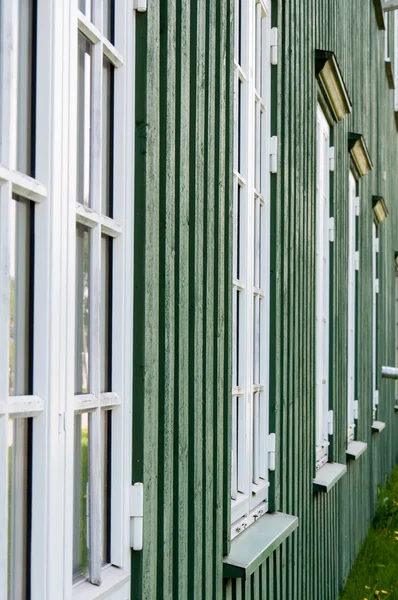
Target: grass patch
(375,572)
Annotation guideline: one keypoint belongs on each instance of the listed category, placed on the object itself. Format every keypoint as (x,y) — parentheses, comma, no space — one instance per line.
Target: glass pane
(26,58)
(81,497)
(18,508)
(109,19)
(20,297)
(106,313)
(83,120)
(82,310)
(107,139)
(86,6)
(106,427)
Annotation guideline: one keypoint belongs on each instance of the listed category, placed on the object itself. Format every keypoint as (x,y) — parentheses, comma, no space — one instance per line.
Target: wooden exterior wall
(182,296)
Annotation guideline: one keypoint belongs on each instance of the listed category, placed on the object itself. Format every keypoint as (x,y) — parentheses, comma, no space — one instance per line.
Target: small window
(322,276)
(375,284)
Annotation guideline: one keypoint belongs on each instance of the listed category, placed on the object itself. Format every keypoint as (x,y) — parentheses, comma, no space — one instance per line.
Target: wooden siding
(182,291)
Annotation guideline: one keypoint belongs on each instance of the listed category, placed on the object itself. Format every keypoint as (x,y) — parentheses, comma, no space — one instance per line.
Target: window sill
(377,426)
(328,476)
(112,580)
(251,548)
(355,450)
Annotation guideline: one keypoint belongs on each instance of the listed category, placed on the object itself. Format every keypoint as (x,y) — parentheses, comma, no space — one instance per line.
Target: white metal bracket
(330,422)
(357,261)
(274,46)
(140,5)
(356,409)
(273,145)
(331,229)
(271,446)
(331,158)
(376,286)
(136,515)
(357,205)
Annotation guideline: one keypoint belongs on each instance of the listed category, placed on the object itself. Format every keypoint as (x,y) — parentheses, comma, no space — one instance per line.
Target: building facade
(198,257)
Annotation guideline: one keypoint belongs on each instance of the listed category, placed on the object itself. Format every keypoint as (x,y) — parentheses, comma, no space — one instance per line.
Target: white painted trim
(351,301)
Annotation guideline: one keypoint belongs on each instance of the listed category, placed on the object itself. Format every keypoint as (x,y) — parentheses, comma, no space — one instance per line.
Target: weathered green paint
(182,297)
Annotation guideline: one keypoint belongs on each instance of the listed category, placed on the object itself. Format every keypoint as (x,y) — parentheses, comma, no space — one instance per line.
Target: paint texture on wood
(182,297)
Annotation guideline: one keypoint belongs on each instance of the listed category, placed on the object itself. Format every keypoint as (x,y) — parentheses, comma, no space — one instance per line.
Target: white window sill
(112,580)
(328,476)
(251,548)
(378,426)
(355,450)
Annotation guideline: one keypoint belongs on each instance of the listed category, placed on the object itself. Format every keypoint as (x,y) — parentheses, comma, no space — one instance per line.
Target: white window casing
(322,284)
(351,297)
(253,450)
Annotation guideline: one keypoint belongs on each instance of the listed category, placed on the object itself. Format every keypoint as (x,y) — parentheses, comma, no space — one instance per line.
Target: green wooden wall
(182,296)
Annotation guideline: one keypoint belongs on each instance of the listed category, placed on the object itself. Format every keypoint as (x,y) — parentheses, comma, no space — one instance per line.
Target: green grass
(375,572)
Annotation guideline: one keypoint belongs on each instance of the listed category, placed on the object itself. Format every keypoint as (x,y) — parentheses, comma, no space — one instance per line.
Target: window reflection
(82,310)
(83,120)
(18,508)
(107,139)
(20,296)
(81,497)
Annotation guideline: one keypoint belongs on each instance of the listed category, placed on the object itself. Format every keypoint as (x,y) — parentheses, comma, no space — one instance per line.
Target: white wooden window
(375,291)
(322,274)
(352,268)
(66,139)
(396,326)
(251,219)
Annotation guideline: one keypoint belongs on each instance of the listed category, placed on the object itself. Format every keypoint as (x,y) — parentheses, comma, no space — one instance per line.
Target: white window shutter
(271,445)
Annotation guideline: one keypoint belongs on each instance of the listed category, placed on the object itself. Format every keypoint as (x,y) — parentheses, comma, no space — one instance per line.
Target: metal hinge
(376,286)
(330,422)
(136,516)
(356,258)
(273,145)
(140,5)
(61,422)
(377,245)
(331,229)
(271,447)
(331,158)
(274,46)
(356,409)
(357,205)
(376,398)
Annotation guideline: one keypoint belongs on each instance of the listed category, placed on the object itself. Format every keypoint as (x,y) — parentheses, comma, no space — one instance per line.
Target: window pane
(107,139)
(82,314)
(106,427)
(83,120)
(86,6)
(81,497)
(18,508)
(106,313)
(20,297)
(26,59)
(109,19)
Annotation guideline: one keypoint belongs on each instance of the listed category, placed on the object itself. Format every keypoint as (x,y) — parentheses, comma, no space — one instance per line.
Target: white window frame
(395,59)
(375,291)
(53,403)
(250,399)
(322,284)
(352,268)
